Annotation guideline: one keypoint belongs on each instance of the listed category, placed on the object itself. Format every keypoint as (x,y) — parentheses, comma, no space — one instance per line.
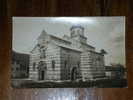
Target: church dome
(76,26)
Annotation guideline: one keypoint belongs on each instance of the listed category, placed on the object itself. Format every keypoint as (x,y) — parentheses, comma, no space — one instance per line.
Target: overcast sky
(102,32)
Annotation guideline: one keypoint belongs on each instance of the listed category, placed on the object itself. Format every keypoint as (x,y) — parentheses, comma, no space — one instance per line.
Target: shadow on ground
(104,83)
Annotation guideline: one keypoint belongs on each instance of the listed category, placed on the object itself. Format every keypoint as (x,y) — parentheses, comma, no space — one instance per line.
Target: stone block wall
(69,60)
(52,54)
(92,65)
(86,66)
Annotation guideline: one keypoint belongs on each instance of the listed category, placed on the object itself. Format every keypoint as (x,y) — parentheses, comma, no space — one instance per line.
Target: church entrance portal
(42,75)
(42,70)
(74,74)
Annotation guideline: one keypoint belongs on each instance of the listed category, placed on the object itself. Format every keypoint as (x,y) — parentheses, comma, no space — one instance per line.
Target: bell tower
(77,33)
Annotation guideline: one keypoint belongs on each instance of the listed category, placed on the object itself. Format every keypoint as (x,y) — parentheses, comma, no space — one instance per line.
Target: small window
(43,54)
(53,64)
(34,66)
(65,63)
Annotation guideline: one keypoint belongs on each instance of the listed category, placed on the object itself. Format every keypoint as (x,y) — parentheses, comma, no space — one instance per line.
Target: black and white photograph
(68,52)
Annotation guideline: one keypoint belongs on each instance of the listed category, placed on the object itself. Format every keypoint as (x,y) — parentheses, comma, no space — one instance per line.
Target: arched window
(53,64)
(43,53)
(34,66)
(65,63)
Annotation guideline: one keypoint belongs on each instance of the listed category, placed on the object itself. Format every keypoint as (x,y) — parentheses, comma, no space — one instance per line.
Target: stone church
(65,59)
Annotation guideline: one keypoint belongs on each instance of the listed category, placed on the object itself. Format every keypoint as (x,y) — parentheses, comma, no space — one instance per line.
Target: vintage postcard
(62,52)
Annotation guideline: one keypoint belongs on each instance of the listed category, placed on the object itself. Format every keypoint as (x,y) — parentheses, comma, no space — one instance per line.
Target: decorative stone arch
(42,67)
(74,73)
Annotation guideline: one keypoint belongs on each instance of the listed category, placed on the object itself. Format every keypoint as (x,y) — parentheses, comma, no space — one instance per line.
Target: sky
(106,33)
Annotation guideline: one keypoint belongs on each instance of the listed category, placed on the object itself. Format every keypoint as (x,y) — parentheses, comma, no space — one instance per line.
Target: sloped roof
(68,47)
(53,36)
(87,45)
(21,58)
(95,52)
(43,34)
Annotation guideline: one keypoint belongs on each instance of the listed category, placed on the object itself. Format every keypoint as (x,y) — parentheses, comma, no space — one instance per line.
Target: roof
(87,45)
(96,52)
(52,36)
(34,48)
(60,38)
(68,47)
(22,58)
(42,35)
(74,49)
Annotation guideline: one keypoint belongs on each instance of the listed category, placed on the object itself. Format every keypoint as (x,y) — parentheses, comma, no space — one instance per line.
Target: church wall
(98,64)
(72,58)
(92,65)
(75,43)
(60,41)
(86,66)
(60,59)
(86,48)
(34,58)
(53,54)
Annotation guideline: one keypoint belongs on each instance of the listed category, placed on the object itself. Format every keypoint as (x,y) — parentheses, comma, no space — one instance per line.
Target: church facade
(67,58)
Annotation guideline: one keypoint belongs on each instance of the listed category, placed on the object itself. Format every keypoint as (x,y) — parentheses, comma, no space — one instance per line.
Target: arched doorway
(42,75)
(74,74)
(42,70)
